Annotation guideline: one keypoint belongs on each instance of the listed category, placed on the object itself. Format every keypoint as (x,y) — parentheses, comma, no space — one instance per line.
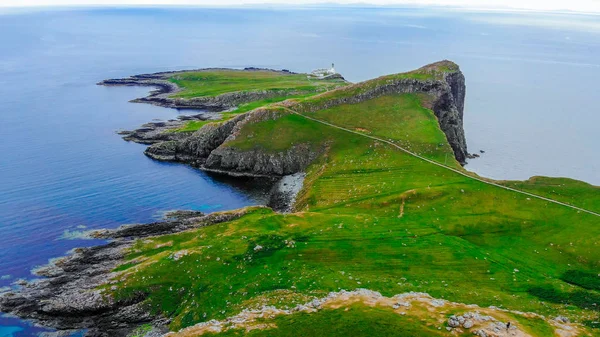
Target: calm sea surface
(532,103)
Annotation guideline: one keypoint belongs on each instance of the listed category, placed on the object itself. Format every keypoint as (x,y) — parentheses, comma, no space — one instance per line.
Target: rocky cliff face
(258,162)
(449,109)
(208,148)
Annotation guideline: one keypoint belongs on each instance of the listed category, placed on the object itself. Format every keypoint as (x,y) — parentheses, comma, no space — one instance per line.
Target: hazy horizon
(576,6)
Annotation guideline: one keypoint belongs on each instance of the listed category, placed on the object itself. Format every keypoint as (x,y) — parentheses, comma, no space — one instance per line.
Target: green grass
(192,126)
(357,321)
(280,87)
(141,331)
(217,82)
(416,129)
(432,72)
(371,216)
(267,135)
(577,193)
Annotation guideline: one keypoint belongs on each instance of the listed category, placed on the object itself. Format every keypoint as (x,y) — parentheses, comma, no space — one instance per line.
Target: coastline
(161,96)
(71,293)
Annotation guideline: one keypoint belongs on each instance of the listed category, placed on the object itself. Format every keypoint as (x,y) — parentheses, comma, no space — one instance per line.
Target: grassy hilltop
(373,217)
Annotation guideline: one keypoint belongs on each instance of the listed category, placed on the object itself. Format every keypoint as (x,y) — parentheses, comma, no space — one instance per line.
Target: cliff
(210,147)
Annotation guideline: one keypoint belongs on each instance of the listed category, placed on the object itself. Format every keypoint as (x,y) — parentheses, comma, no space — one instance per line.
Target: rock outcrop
(259,162)
(163,95)
(75,292)
(162,131)
(283,194)
(208,149)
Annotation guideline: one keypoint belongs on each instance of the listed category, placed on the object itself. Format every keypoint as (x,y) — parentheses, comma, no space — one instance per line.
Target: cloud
(588,6)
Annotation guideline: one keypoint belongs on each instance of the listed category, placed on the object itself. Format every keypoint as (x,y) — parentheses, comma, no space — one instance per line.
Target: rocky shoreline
(162,95)
(160,131)
(74,292)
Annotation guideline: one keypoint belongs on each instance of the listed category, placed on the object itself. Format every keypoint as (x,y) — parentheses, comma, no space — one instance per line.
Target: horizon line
(275,5)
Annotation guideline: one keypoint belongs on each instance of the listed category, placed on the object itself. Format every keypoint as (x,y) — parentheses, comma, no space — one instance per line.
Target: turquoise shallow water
(531,103)
(8,331)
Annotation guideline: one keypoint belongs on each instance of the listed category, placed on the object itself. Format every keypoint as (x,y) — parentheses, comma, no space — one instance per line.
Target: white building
(320,73)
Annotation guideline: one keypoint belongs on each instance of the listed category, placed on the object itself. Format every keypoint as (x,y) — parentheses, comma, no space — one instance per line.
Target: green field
(281,86)
(371,216)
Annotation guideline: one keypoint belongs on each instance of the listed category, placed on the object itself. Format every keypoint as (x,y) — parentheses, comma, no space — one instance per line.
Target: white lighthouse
(322,73)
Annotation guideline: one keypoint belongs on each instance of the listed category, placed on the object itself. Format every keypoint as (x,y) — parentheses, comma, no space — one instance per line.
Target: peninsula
(374,229)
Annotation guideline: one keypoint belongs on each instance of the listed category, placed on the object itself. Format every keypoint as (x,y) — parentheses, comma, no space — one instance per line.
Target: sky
(586,6)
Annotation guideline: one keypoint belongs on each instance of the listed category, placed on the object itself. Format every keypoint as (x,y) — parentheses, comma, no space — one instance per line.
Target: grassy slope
(374,217)
(567,190)
(217,82)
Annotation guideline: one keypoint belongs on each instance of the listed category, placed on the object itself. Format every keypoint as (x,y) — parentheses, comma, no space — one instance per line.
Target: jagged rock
(260,162)
(161,131)
(182,214)
(468,324)
(195,148)
(453,322)
(168,227)
(70,297)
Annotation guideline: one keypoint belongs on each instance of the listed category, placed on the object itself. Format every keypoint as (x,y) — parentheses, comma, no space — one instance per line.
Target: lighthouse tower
(332,70)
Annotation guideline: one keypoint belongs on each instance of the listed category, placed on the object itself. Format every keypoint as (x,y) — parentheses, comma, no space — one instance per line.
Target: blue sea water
(531,103)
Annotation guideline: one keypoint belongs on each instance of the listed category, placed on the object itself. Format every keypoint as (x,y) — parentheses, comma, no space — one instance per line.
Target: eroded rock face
(208,148)
(449,109)
(283,194)
(195,148)
(260,162)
